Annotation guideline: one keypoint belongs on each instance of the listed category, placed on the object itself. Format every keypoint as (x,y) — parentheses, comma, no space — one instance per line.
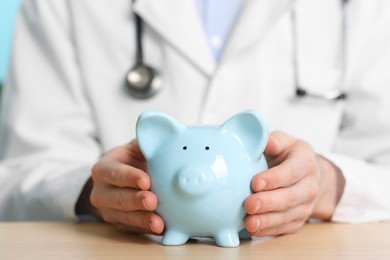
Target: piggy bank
(202,174)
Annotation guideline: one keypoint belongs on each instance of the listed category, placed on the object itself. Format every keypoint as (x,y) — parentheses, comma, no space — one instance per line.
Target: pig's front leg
(174,237)
(227,238)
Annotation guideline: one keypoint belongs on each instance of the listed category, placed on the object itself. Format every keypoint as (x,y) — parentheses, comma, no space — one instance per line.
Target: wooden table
(51,240)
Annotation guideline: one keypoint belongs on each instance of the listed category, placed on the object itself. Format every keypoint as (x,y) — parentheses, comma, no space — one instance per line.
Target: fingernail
(153,227)
(139,184)
(262,185)
(145,204)
(256,227)
(257,206)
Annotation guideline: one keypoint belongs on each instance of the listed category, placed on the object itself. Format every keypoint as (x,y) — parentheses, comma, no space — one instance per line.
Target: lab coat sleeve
(363,146)
(366,193)
(48,137)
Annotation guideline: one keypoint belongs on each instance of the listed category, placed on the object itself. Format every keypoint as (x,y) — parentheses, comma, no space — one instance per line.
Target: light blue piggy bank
(202,174)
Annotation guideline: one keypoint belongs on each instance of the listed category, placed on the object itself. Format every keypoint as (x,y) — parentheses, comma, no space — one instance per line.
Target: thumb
(278,143)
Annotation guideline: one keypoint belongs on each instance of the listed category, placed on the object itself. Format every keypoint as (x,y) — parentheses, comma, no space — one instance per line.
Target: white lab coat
(65,102)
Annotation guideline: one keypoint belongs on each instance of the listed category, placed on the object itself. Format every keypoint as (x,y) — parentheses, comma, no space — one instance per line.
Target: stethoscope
(340,92)
(143,81)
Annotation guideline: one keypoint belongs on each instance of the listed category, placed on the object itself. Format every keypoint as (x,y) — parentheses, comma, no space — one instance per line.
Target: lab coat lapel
(178,23)
(253,24)
(231,79)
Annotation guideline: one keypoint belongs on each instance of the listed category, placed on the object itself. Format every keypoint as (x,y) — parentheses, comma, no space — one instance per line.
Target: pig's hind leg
(227,238)
(174,237)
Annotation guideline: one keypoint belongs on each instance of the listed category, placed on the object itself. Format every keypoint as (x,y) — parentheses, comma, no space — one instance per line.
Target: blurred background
(8,12)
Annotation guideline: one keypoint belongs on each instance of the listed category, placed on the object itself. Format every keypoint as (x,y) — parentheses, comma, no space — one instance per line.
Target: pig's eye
(184,147)
(207,148)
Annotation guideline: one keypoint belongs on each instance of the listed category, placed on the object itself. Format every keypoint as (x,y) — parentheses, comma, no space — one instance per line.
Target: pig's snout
(195,181)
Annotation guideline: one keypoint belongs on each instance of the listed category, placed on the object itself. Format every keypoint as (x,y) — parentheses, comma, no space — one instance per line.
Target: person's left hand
(298,185)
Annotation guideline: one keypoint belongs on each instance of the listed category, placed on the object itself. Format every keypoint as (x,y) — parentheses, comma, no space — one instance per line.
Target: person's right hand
(121,193)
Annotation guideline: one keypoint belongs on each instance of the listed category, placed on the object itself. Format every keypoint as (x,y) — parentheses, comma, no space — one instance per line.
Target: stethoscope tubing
(138,41)
(340,92)
(148,82)
(142,80)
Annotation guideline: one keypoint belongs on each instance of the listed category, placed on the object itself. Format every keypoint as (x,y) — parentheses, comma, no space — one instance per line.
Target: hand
(121,193)
(298,185)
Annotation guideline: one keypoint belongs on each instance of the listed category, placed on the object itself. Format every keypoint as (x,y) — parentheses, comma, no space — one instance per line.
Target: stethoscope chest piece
(143,81)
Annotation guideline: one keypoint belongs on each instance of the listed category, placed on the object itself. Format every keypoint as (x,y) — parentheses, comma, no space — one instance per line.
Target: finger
(282,199)
(285,229)
(134,151)
(136,221)
(126,152)
(257,222)
(300,161)
(120,175)
(286,174)
(125,199)
(278,142)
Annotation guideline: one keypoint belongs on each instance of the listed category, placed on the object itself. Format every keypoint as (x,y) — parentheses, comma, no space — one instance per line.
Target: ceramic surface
(202,174)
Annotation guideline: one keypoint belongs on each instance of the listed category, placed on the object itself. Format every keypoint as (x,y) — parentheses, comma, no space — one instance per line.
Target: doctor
(67,113)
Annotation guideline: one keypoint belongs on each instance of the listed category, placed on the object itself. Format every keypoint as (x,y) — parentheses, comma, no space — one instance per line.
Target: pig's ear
(251,128)
(154,129)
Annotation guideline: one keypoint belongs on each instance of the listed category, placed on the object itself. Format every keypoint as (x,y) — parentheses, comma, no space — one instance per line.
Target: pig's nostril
(194,181)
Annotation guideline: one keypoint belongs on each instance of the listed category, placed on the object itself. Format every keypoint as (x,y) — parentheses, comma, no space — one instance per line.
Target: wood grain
(52,240)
